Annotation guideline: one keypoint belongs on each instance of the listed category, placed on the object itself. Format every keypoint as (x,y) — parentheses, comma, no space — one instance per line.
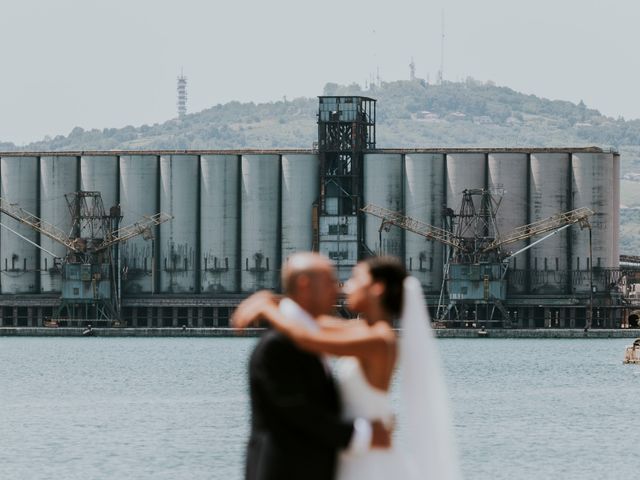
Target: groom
(296,427)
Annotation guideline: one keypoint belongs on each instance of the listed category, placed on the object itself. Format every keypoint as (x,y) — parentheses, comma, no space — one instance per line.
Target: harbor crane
(476,260)
(90,277)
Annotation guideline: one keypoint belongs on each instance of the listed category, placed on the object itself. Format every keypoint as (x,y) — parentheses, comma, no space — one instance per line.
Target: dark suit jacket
(296,429)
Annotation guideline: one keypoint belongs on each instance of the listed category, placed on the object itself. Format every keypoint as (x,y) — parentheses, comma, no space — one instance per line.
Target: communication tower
(182,96)
(441,71)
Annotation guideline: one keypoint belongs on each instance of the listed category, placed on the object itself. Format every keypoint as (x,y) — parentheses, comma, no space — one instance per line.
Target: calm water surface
(173,408)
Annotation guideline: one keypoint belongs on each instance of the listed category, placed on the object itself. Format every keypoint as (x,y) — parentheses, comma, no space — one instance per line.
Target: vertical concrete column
(215,317)
(134,317)
(615,318)
(149,317)
(30,317)
(2,316)
(200,315)
(174,316)
(14,320)
(531,317)
(563,319)
(572,318)
(518,317)
(190,317)
(158,320)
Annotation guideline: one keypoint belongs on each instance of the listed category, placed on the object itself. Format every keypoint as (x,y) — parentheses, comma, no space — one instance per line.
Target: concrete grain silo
(592,186)
(139,176)
(507,177)
(260,236)
(383,184)
(424,197)
(58,177)
(549,194)
(178,239)
(299,193)
(464,171)
(219,223)
(19,184)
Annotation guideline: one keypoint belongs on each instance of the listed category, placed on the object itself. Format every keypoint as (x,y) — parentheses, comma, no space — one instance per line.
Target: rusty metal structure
(89,270)
(476,263)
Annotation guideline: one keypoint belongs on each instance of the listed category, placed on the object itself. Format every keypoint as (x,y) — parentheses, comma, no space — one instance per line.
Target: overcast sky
(112,63)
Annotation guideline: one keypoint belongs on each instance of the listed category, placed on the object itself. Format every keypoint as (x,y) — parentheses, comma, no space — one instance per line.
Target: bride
(381,292)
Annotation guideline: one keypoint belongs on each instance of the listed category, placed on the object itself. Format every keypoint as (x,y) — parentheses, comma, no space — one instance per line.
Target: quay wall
(541,333)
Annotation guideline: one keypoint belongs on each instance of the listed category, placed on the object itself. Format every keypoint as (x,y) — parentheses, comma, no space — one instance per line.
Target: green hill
(410,114)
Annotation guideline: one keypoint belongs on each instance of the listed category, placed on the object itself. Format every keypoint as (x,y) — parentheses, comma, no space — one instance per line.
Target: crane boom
(54,233)
(139,228)
(416,226)
(39,225)
(579,215)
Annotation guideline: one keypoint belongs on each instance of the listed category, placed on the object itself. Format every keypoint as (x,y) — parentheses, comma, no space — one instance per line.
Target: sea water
(173,408)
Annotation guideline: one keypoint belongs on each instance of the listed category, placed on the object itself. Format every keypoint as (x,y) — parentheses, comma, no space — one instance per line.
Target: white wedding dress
(361,400)
(428,449)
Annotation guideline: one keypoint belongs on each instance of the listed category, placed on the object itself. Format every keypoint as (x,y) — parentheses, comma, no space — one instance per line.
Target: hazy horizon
(110,65)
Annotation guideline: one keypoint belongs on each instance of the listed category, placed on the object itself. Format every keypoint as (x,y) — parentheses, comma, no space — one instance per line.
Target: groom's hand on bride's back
(381,435)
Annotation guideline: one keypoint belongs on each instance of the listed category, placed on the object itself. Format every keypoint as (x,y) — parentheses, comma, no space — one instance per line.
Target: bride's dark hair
(391,273)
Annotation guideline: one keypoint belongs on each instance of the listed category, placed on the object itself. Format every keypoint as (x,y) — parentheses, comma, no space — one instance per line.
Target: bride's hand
(250,311)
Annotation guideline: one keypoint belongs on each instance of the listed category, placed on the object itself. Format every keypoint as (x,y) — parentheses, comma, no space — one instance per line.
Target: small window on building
(76,291)
(338,229)
(338,255)
(331,205)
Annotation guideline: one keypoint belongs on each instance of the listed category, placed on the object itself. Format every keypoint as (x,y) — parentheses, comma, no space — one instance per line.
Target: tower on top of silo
(346,130)
(182,95)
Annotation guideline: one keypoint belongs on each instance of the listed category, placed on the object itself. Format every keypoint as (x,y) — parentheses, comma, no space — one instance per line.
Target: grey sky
(113,63)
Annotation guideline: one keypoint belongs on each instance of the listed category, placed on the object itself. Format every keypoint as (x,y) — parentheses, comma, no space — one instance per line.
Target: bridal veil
(424,402)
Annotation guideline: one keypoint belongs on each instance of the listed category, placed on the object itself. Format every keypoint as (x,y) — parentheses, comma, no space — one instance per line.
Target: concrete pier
(256,332)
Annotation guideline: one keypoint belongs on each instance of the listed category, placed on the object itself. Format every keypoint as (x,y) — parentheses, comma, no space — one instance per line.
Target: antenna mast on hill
(182,95)
(412,70)
(441,71)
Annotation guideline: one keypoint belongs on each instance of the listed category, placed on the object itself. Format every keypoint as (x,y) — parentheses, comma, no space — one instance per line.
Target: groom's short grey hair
(299,264)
